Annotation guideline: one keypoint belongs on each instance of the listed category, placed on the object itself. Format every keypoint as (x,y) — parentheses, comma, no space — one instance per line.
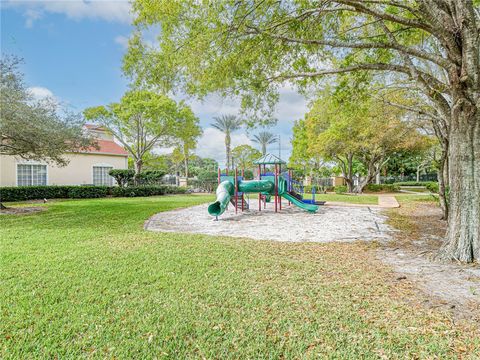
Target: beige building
(86,167)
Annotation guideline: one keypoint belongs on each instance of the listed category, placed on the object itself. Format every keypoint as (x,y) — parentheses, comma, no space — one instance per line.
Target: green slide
(226,190)
(308,207)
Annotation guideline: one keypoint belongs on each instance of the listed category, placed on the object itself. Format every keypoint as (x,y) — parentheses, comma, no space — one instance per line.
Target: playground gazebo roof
(269,159)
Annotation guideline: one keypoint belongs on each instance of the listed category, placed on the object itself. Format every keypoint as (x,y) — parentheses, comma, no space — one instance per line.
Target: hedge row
(415,183)
(381,187)
(318,188)
(22,193)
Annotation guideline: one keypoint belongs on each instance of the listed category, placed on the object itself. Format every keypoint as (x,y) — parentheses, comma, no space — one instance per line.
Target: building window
(101,177)
(30,175)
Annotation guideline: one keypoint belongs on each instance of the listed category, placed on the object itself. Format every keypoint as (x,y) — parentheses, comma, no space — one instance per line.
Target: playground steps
(239,204)
(296,195)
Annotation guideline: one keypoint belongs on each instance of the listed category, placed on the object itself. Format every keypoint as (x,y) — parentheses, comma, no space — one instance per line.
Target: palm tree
(227,124)
(265,138)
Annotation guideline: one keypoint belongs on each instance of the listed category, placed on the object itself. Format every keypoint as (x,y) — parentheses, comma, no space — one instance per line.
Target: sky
(73,50)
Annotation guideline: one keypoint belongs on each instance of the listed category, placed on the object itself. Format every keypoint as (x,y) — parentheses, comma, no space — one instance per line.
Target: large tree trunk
(186,166)
(349,178)
(463,235)
(443,183)
(138,170)
(374,165)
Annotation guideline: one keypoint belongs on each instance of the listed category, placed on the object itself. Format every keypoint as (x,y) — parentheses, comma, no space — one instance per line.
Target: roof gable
(107,147)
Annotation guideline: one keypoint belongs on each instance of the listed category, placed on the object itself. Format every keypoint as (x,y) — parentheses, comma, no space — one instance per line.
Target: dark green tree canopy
(244,156)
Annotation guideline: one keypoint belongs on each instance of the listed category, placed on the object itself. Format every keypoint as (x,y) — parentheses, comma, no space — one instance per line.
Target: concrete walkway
(387,201)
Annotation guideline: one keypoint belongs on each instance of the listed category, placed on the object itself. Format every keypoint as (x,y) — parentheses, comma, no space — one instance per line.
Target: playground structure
(297,189)
(277,185)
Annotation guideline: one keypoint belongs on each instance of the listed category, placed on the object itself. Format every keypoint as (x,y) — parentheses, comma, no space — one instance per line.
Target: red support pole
(276,187)
(219,174)
(243,195)
(259,194)
(289,184)
(279,198)
(236,191)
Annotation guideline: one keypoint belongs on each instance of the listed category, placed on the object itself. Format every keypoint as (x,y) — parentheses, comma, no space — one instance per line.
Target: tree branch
(440,87)
(357,4)
(440,61)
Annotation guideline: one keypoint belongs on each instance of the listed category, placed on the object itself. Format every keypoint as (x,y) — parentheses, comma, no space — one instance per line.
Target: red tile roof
(94,127)
(107,147)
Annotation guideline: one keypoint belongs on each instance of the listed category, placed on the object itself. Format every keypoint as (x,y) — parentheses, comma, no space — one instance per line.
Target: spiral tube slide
(225,191)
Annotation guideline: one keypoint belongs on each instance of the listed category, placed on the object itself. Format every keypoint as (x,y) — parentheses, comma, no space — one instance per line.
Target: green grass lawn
(414,197)
(417,189)
(353,199)
(84,280)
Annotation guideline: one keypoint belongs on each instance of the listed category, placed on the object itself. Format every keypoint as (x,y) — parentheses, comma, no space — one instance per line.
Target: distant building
(85,167)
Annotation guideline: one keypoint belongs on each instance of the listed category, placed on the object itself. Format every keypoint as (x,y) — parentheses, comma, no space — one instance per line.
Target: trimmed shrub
(432,186)
(381,187)
(86,192)
(150,177)
(206,180)
(23,193)
(135,191)
(414,183)
(169,189)
(342,189)
(122,176)
(31,192)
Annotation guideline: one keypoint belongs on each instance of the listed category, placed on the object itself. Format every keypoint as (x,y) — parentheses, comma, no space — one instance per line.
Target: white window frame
(31,163)
(103,165)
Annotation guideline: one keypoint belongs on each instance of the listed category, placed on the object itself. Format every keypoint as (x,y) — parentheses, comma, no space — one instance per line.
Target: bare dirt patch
(412,254)
(24,210)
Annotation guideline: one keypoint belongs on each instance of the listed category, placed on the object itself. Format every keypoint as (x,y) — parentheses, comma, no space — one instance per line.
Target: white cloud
(291,106)
(31,15)
(112,11)
(214,105)
(163,150)
(122,41)
(40,93)
(212,144)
